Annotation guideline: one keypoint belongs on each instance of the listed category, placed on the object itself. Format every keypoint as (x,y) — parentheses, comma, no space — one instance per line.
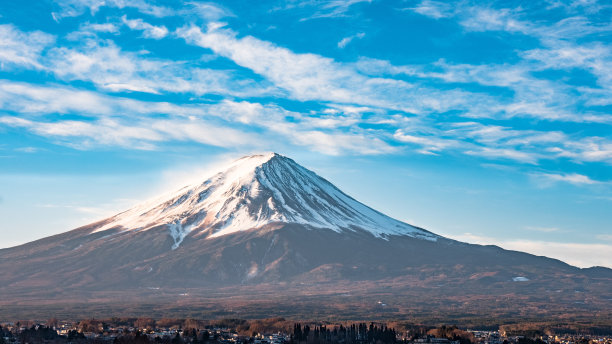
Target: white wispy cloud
(27,149)
(489,19)
(148,30)
(326,9)
(133,124)
(74,8)
(532,97)
(138,134)
(32,99)
(433,9)
(207,10)
(586,149)
(338,143)
(36,100)
(542,229)
(23,49)
(100,27)
(578,254)
(560,49)
(505,153)
(314,77)
(109,67)
(346,40)
(106,132)
(606,237)
(592,57)
(304,76)
(325,135)
(376,67)
(549,179)
(430,144)
(496,142)
(590,6)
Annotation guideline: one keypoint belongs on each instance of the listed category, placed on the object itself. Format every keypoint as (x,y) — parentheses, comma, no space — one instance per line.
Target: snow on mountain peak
(254,191)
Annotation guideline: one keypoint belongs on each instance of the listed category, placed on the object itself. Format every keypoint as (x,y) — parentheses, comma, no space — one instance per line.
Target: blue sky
(488,122)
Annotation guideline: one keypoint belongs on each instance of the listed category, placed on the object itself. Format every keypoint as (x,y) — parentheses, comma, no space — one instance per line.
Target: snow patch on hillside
(178,232)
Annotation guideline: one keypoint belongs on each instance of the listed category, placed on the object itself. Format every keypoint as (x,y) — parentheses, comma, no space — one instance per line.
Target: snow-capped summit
(255,191)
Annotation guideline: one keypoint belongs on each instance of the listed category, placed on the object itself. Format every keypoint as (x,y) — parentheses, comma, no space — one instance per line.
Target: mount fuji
(266,236)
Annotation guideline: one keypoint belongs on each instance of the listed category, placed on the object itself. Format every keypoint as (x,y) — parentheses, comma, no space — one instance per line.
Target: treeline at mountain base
(282,331)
